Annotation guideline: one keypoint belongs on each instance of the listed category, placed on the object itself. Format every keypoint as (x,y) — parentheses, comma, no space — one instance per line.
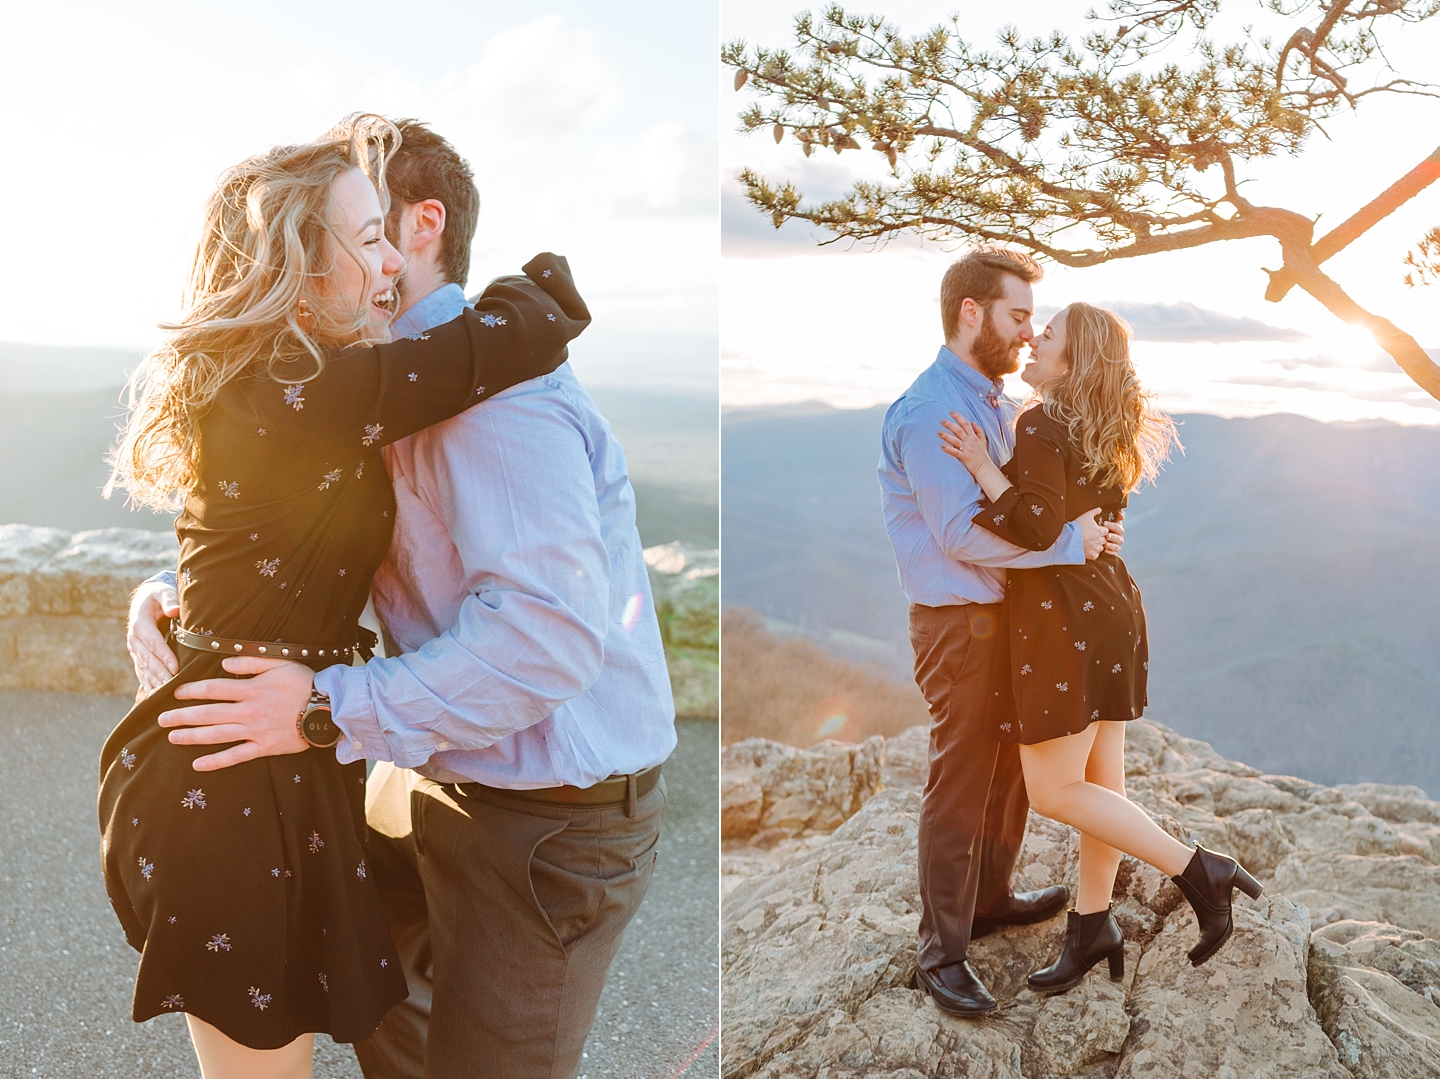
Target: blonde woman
(1072,669)
(246,888)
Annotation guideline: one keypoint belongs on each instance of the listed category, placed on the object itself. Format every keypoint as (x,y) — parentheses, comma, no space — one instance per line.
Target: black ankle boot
(1207,883)
(1089,938)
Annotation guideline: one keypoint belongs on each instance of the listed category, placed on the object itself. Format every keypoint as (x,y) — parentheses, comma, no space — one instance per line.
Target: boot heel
(1117,964)
(1246,883)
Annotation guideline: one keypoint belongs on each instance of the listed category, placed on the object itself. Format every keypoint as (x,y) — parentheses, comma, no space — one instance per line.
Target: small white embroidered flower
(285,584)
(288,873)
(261,432)
(134,822)
(1025,669)
(544,273)
(330,477)
(194,799)
(1063,687)
(1029,430)
(229,489)
(274,872)
(259,999)
(297,779)
(998,518)
(372,434)
(174,1000)
(254,536)
(1047,604)
(384,962)
(414,377)
(360,470)
(146,868)
(247,811)
(421,336)
(267,566)
(1036,510)
(360,869)
(342,573)
(185,577)
(324,982)
(218,943)
(293,398)
(1095,714)
(316,842)
(1005,727)
(1115,669)
(1081,481)
(1146,664)
(172,919)
(1080,645)
(492,320)
(1089,605)
(127,759)
(550,316)
(479,391)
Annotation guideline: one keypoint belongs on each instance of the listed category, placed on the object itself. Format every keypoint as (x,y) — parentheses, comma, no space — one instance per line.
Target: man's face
(1004,329)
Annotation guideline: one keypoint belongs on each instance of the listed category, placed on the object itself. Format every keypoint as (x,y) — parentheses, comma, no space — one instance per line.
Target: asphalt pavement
(68,973)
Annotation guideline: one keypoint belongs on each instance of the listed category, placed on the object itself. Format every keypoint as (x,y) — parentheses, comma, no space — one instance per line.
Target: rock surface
(685,580)
(1334,972)
(63,600)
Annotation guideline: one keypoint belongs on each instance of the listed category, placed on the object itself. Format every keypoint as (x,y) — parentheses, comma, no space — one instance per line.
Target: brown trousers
(507,914)
(972,818)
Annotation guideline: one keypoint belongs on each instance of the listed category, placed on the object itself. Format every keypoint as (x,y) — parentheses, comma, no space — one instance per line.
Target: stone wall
(64,597)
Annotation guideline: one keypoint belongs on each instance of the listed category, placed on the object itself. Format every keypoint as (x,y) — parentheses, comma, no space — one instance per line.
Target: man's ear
(971,313)
(427,218)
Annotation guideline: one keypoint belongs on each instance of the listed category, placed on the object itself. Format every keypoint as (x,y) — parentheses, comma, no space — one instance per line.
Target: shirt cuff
(352,711)
(1070,547)
(165,576)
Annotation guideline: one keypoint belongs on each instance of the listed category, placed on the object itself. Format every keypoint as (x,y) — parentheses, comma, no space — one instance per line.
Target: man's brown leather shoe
(1026,908)
(956,988)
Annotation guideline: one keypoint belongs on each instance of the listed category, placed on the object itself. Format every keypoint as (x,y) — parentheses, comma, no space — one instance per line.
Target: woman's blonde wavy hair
(1122,438)
(266,246)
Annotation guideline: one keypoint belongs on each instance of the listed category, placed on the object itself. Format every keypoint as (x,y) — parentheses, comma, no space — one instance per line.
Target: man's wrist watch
(316,724)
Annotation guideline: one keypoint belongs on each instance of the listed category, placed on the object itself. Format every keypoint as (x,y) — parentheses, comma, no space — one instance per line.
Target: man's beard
(991,352)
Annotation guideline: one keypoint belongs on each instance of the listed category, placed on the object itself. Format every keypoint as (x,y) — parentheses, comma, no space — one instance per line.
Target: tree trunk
(1406,351)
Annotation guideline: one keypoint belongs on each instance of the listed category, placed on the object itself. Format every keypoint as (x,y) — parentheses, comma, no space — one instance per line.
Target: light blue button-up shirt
(929,497)
(516,590)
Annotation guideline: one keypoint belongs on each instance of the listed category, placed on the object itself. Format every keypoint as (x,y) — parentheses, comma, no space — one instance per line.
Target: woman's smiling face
(1047,356)
(366,265)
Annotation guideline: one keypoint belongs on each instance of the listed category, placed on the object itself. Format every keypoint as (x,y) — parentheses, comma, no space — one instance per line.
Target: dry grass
(791,690)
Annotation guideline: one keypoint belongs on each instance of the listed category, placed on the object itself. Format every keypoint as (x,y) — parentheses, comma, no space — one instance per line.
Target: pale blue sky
(854,327)
(591,127)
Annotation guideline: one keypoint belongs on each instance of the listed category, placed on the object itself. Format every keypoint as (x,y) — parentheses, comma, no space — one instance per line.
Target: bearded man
(972,819)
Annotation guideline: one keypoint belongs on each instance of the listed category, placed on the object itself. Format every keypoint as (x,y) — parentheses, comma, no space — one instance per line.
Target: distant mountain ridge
(54,446)
(1291,574)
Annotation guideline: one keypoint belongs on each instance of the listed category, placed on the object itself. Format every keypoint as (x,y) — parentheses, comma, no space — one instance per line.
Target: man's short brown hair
(427,167)
(980,276)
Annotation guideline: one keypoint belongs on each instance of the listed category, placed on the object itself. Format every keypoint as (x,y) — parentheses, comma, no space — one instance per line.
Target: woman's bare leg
(1099,862)
(1055,780)
(222,1057)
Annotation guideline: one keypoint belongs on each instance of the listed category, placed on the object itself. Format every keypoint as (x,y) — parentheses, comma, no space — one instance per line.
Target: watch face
(319,729)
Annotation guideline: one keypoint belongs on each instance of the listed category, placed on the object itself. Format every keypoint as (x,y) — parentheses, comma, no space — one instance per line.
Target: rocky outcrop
(1334,972)
(63,600)
(685,580)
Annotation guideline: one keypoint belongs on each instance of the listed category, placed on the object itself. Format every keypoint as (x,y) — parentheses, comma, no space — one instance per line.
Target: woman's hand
(965,441)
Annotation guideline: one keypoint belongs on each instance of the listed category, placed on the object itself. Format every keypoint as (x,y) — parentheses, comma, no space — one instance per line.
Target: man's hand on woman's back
(155,663)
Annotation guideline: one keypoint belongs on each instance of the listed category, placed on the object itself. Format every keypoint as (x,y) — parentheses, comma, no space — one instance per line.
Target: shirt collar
(990,389)
(436,309)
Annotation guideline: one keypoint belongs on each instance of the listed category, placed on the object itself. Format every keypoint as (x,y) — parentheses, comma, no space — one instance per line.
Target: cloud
(1406,394)
(1185,322)
(668,172)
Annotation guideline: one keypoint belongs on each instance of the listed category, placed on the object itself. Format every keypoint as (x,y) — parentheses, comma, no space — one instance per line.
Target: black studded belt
(272,649)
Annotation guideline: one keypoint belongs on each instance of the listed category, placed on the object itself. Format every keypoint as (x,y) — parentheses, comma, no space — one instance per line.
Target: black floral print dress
(246,890)
(1073,646)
